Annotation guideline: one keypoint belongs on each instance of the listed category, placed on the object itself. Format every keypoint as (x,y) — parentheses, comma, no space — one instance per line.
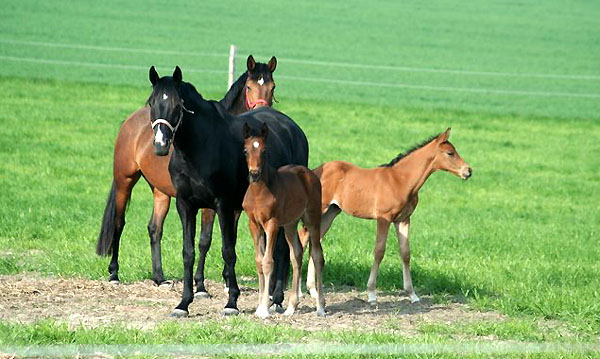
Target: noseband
(251,105)
(158,121)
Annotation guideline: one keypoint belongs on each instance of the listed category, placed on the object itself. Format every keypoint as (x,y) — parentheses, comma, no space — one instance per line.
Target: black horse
(208,166)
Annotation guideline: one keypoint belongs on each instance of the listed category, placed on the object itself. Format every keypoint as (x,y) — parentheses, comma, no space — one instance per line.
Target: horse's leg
(291,235)
(259,250)
(326,222)
(235,229)
(124,185)
(271,228)
(155,231)
(187,214)
(404,244)
(229,235)
(383,227)
(282,270)
(316,254)
(208,219)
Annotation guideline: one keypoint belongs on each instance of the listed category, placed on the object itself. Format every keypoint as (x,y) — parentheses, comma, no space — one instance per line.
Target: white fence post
(231,75)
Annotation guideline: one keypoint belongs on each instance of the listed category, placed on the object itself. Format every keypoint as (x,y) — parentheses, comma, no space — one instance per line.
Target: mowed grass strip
(519,237)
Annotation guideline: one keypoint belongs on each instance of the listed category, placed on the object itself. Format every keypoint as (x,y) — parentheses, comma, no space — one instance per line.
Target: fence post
(232,53)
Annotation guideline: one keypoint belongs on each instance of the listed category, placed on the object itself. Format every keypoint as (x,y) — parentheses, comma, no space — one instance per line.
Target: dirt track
(90,303)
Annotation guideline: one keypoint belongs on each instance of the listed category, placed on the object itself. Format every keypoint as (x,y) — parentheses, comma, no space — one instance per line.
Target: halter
(251,105)
(158,121)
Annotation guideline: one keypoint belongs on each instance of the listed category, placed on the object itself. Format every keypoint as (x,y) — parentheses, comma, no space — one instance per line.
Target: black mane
(409,151)
(236,88)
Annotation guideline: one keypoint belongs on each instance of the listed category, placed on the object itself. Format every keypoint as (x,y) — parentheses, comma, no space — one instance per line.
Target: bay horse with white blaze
(134,157)
(388,194)
(275,198)
(208,167)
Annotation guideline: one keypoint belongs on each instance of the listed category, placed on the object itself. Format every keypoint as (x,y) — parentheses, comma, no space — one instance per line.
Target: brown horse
(281,198)
(388,193)
(134,156)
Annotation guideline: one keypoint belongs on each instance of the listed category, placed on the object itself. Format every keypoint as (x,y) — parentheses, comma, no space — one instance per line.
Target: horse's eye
(450,153)
(248,87)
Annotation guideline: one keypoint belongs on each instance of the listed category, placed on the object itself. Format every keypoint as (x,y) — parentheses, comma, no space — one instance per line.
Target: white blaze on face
(165,96)
(255,144)
(159,137)
(261,81)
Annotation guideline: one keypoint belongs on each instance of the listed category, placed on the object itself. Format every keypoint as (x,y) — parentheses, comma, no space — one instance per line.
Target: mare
(388,194)
(134,157)
(280,198)
(208,167)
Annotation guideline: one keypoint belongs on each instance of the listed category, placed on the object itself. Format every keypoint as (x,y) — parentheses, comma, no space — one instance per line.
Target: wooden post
(231,75)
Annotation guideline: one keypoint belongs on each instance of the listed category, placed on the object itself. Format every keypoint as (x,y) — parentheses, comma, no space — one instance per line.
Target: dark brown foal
(280,198)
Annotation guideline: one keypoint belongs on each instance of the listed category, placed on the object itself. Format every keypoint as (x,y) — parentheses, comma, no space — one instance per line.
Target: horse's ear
(247,131)
(272,64)
(250,63)
(177,76)
(153,76)
(443,137)
(264,130)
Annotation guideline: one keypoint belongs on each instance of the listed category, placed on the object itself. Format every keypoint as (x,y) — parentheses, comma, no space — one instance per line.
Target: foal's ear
(177,75)
(247,132)
(153,76)
(264,131)
(443,137)
(250,63)
(272,64)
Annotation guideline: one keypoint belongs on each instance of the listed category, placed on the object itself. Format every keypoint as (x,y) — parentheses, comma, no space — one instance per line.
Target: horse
(388,194)
(280,198)
(134,157)
(208,167)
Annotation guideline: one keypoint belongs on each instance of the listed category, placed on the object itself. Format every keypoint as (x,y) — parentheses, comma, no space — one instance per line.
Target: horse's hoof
(277,308)
(262,312)
(178,313)
(229,312)
(114,281)
(321,313)
(167,284)
(313,293)
(226,290)
(201,295)
(414,298)
(289,311)
(372,299)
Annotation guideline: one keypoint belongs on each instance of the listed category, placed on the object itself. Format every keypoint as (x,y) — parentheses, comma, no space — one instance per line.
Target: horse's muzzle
(253,176)
(162,150)
(466,173)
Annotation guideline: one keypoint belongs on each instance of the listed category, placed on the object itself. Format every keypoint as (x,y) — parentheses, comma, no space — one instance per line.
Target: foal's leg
(402,233)
(124,185)
(259,251)
(316,254)
(383,227)
(155,231)
(326,222)
(271,228)
(208,219)
(291,235)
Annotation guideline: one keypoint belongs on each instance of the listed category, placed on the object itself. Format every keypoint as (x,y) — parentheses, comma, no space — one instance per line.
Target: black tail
(107,231)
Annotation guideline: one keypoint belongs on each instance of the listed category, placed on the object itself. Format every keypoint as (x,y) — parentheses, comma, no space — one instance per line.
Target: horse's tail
(107,230)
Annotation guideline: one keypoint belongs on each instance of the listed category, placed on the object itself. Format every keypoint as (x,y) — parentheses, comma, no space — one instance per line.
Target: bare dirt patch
(92,303)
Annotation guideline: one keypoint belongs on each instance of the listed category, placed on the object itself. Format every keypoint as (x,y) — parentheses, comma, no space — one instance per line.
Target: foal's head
(254,149)
(260,85)
(447,158)
(166,109)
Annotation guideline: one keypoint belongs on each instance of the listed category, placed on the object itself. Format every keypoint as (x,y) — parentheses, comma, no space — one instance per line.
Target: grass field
(519,83)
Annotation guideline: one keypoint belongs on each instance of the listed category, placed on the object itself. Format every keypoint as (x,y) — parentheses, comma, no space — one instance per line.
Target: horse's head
(166,109)
(260,85)
(254,149)
(448,159)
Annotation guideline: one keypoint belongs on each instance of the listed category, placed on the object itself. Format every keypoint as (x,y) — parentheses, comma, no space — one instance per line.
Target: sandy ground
(91,303)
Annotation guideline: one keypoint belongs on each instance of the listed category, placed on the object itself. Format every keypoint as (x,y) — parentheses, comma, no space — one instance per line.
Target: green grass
(520,237)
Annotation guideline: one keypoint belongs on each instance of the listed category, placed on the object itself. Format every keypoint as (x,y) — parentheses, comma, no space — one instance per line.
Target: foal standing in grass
(388,193)
(280,198)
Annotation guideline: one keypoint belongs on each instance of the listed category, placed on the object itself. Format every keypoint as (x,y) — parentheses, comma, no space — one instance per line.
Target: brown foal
(280,198)
(388,193)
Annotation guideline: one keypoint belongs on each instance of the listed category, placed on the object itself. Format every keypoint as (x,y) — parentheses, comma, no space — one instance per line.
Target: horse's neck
(415,168)
(234,101)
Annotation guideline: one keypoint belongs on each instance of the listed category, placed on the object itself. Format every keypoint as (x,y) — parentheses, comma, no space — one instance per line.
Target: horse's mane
(234,91)
(409,151)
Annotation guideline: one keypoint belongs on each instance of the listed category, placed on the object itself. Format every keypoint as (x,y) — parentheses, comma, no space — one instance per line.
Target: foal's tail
(107,230)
